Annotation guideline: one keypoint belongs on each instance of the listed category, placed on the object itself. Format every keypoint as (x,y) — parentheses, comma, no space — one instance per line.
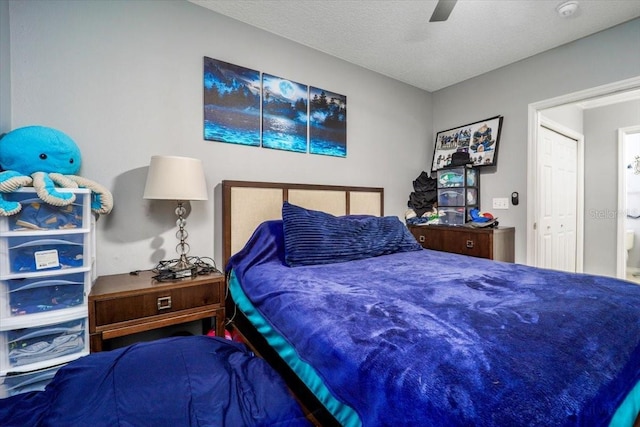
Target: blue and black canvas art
(284,114)
(327,123)
(231,103)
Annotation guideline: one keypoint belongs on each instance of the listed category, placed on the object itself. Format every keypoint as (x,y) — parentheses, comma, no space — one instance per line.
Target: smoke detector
(567,8)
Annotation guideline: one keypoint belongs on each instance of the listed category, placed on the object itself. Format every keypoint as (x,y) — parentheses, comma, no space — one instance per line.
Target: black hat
(460,158)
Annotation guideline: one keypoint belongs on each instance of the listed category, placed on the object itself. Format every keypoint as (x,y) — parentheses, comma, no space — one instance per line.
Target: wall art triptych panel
(231,103)
(242,108)
(327,123)
(284,114)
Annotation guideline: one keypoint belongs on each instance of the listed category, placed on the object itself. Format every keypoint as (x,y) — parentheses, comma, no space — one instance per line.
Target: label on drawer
(47,259)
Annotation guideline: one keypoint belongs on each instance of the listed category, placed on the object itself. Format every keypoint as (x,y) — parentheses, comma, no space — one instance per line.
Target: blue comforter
(173,382)
(429,338)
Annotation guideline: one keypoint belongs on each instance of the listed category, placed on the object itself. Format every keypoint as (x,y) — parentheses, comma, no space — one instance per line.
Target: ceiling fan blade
(443,10)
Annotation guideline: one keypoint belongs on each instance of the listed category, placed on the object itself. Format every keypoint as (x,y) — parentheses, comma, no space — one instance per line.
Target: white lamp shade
(175,178)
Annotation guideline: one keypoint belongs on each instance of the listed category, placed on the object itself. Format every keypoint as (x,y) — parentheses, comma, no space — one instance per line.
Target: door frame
(621,265)
(534,110)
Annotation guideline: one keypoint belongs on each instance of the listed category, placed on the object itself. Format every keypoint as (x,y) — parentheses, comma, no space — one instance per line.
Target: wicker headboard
(246,204)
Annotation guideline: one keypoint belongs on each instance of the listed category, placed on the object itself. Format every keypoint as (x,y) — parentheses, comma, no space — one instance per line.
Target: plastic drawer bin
(28,254)
(455,177)
(451,216)
(451,197)
(23,382)
(33,345)
(472,196)
(472,178)
(41,294)
(38,215)
(451,178)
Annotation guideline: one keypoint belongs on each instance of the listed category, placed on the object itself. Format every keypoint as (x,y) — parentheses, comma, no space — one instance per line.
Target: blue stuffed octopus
(46,159)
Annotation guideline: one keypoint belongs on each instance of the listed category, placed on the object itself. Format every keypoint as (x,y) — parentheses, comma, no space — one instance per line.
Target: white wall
(602,58)
(124,79)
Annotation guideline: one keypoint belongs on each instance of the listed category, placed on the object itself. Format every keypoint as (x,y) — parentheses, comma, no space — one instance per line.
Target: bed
(370,329)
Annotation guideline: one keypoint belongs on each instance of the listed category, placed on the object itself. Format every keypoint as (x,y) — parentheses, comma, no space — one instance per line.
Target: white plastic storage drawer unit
(27,254)
(41,346)
(47,268)
(10,385)
(37,215)
(41,294)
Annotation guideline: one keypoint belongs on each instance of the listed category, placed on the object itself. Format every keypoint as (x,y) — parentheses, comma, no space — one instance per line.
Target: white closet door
(557,226)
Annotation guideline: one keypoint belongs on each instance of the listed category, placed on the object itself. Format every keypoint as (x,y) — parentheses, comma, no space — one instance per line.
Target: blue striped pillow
(314,237)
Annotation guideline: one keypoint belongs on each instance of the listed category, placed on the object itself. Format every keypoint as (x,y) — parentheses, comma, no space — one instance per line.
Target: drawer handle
(469,244)
(164,303)
(421,239)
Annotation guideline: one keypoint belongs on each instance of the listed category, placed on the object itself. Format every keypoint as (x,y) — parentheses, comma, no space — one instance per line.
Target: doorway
(534,187)
(628,253)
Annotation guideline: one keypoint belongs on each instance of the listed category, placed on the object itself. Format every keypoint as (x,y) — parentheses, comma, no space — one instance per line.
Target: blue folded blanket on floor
(182,381)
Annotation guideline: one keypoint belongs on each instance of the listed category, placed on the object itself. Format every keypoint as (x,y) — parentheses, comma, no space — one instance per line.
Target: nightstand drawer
(153,303)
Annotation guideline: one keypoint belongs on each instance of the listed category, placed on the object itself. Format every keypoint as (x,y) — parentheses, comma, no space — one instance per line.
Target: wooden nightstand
(125,304)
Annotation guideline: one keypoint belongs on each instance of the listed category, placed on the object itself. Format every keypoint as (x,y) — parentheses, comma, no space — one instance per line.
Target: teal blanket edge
(627,412)
(346,415)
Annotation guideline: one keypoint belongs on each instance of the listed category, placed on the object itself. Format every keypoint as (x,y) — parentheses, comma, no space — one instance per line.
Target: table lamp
(180,179)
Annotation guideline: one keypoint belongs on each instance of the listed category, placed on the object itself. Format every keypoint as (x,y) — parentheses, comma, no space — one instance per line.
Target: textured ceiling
(395,37)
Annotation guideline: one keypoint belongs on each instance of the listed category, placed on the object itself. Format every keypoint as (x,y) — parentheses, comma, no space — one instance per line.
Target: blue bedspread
(430,338)
(183,381)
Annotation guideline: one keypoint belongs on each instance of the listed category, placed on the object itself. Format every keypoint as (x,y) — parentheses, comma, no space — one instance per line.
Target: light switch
(500,203)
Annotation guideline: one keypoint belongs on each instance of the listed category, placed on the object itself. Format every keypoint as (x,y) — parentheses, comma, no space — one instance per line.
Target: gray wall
(5,76)
(601,183)
(124,79)
(596,60)
(570,116)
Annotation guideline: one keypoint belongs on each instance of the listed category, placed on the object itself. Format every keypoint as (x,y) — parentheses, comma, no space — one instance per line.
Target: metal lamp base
(183,268)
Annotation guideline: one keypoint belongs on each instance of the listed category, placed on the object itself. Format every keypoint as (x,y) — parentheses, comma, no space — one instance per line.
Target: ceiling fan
(443,10)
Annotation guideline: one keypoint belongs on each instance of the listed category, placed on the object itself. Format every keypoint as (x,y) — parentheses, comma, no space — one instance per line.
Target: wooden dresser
(491,243)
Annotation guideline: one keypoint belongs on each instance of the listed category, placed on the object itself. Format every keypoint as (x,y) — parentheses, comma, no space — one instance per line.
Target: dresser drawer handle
(421,239)
(164,303)
(469,244)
